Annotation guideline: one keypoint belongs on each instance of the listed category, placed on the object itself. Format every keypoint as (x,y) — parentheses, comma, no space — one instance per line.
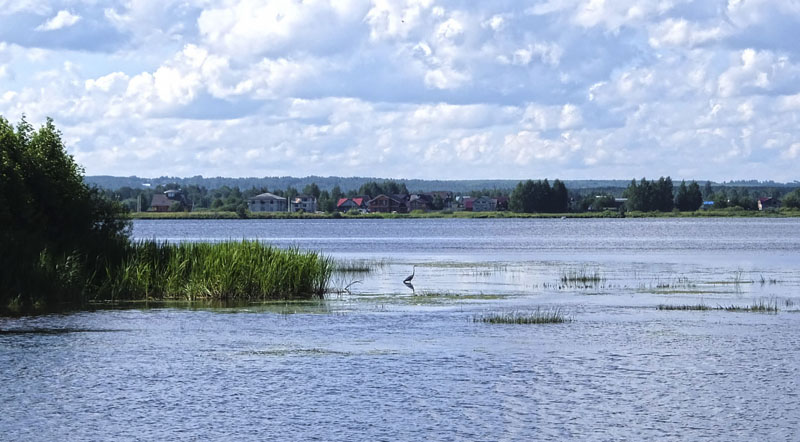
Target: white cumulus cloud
(63,19)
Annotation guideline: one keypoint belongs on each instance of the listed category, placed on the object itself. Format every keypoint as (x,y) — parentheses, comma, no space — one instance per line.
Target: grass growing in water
(357,266)
(246,270)
(684,307)
(538,316)
(760,306)
(582,276)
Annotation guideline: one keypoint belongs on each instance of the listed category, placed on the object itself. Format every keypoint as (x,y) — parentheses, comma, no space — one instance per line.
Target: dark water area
(380,361)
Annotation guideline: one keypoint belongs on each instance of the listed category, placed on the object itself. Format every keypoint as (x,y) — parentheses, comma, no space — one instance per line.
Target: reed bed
(538,316)
(246,270)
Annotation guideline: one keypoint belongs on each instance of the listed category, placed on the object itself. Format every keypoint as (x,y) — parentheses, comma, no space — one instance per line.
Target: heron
(411,276)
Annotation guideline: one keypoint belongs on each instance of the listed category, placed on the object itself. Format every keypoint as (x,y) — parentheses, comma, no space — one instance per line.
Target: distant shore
(725,213)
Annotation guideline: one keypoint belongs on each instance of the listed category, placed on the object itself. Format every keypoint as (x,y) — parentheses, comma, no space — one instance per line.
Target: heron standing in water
(411,276)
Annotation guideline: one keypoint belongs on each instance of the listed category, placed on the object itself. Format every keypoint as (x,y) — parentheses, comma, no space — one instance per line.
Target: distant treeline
(354,183)
(524,197)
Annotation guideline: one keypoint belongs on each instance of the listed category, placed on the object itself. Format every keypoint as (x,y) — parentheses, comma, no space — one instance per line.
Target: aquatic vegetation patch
(760,306)
(246,270)
(684,307)
(581,276)
(538,316)
(358,266)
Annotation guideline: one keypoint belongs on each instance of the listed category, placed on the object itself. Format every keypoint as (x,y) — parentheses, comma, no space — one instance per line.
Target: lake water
(377,360)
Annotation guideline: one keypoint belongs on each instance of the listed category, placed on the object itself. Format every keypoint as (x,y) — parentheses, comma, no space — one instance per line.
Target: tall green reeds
(246,270)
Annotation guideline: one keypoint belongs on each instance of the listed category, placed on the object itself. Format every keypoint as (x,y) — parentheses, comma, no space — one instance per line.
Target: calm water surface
(382,361)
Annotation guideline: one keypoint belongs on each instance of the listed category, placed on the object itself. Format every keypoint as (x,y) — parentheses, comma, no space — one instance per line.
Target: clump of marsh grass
(760,306)
(538,316)
(357,266)
(580,278)
(246,270)
(684,307)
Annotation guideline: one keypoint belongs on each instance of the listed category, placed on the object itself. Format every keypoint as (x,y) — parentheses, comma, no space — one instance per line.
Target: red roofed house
(345,204)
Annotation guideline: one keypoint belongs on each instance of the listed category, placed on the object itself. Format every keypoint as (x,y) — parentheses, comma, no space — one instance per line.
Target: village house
(465,202)
(163,202)
(306,203)
(267,202)
(768,203)
(423,202)
(484,204)
(502,203)
(357,203)
(448,201)
(388,204)
(160,203)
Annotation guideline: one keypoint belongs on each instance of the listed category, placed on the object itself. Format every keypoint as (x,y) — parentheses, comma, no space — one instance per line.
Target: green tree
(312,189)
(792,199)
(60,230)
(537,196)
(707,190)
(559,197)
(649,196)
(336,193)
(682,198)
(694,196)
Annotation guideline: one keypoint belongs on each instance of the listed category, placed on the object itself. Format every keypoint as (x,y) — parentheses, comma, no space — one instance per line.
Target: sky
(432,89)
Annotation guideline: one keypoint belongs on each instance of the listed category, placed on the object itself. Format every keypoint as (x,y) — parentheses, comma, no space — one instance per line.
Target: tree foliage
(688,199)
(56,230)
(374,188)
(792,199)
(538,196)
(650,196)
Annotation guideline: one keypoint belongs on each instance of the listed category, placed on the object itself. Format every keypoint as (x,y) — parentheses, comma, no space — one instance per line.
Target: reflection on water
(379,360)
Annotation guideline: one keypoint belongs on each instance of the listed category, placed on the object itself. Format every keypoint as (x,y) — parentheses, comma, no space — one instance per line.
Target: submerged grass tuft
(538,316)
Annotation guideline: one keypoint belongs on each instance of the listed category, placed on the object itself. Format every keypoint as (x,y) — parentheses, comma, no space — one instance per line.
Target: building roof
(399,199)
(358,201)
(421,196)
(160,200)
(267,197)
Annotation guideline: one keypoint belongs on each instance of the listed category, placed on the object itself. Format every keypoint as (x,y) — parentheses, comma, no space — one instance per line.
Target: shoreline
(783,213)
